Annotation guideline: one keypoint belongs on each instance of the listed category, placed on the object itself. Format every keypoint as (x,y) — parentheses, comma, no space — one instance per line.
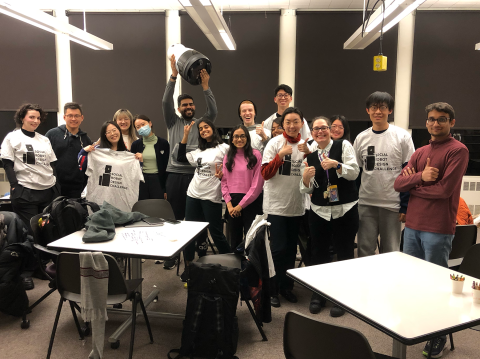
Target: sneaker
(170,264)
(275,301)
(336,311)
(438,347)
(316,303)
(28,283)
(158,261)
(288,295)
(184,275)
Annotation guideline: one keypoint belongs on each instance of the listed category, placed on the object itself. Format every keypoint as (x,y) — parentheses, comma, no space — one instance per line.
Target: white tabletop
(405,297)
(144,242)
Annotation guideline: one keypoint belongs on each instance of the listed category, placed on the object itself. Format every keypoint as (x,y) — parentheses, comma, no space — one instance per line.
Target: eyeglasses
(72,116)
(375,108)
(283,95)
(440,120)
(334,127)
(239,137)
(323,128)
(278,128)
(111,132)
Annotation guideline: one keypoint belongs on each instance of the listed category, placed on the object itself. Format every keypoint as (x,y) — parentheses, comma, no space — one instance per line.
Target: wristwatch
(339,166)
(173,77)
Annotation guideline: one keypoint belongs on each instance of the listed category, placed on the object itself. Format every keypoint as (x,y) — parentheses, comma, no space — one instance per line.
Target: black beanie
(254,107)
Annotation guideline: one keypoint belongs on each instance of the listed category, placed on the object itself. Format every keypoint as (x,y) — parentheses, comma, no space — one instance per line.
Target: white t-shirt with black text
(31,159)
(204,184)
(256,140)
(391,148)
(281,194)
(113,176)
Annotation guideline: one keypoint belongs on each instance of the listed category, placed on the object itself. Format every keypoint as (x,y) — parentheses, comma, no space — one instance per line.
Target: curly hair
(23,110)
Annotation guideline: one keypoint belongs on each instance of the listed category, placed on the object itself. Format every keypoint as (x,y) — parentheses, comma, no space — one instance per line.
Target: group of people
(281,167)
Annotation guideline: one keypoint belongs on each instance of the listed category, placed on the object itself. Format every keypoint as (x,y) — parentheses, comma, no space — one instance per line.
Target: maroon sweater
(433,205)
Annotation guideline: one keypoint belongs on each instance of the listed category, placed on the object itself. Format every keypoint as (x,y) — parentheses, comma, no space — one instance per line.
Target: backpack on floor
(210,328)
(64,216)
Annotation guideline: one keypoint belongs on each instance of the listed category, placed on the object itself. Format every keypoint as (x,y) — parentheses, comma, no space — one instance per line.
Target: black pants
(28,202)
(239,226)
(205,210)
(151,189)
(283,244)
(342,229)
(71,191)
(176,188)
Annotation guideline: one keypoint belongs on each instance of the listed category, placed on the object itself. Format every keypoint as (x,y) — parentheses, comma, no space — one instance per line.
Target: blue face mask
(145,130)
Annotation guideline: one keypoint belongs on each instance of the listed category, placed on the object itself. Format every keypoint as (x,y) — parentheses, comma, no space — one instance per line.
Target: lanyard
(320,158)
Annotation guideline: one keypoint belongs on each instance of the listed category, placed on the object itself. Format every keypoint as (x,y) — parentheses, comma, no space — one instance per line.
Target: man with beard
(180,174)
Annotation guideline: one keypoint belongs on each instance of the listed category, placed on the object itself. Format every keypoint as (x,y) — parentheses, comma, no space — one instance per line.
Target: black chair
(233,261)
(119,291)
(306,338)
(48,272)
(465,237)
(471,266)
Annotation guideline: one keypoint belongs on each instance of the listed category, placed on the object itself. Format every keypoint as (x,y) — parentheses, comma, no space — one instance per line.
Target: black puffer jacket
(16,252)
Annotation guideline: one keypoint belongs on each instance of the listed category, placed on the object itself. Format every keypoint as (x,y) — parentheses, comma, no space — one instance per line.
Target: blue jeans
(432,247)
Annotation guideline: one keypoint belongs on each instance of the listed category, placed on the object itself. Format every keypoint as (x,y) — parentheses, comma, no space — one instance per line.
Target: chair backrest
(465,237)
(154,208)
(471,262)
(68,275)
(306,338)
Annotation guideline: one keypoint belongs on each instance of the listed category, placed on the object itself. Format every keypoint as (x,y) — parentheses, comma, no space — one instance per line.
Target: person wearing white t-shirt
(29,163)
(204,194)
(259,136)
(113,173)
(382,151)
(124,120)
(282,201)
(283,98)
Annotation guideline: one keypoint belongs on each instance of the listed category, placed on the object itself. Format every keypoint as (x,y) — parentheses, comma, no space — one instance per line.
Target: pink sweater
(242,180)
(433,205)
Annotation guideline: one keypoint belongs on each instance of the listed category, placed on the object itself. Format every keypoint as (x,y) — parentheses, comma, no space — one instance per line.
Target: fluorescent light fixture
(51,24)
(211,22)
(395,10)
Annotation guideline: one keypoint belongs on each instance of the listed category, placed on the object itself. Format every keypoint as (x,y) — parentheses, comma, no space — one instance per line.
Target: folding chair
(465,237)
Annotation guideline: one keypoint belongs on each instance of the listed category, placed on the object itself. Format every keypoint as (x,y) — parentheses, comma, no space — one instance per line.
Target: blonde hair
(132,132)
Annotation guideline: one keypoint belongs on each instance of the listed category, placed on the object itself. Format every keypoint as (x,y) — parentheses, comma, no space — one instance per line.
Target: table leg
(399,350)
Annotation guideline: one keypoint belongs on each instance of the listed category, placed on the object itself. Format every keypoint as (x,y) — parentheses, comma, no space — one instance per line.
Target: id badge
(332,193)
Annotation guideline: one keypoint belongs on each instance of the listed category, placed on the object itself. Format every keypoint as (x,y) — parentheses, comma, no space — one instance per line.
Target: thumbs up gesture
(308,174)
(328,163)
(259,131)
(303,147)
(429,174)
(218,170)
(286,150)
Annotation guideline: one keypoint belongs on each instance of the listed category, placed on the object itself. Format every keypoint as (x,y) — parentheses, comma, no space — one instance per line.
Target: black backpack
(64,216)
(210,328)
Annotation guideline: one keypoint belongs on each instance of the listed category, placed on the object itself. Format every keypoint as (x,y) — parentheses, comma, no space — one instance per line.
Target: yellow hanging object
(379,63)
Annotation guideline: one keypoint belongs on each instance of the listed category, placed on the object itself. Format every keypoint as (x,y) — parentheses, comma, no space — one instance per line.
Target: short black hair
(72,106)
(141,117)
(292,110)
(23,110)
(379,98)
(346,126)
(441,107)
(183,97)
(278,121)
(285,88)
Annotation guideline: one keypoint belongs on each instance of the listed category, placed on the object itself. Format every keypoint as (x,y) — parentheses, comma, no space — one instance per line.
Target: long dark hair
(346,126)
(203,144)
(247,150)
(105,143)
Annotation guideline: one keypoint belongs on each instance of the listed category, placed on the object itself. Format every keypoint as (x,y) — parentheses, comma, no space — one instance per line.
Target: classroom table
(407,298)
(152,242)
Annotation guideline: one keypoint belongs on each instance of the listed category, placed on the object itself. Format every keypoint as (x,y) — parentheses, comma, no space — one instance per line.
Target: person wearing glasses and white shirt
(382,151)
(67,140)
(329,176)
(283,98)
(282,200)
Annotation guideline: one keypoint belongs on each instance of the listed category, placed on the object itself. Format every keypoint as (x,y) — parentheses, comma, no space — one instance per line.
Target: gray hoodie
(175,126)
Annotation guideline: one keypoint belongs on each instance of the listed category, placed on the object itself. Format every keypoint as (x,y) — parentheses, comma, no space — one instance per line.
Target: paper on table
(145,236)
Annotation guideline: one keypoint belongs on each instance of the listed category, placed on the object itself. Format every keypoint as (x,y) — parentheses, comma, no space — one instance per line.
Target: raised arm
(212,111)
(168,104)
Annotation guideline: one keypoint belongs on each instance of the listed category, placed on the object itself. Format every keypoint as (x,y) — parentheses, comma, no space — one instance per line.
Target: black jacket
(66,147)
(162,158)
